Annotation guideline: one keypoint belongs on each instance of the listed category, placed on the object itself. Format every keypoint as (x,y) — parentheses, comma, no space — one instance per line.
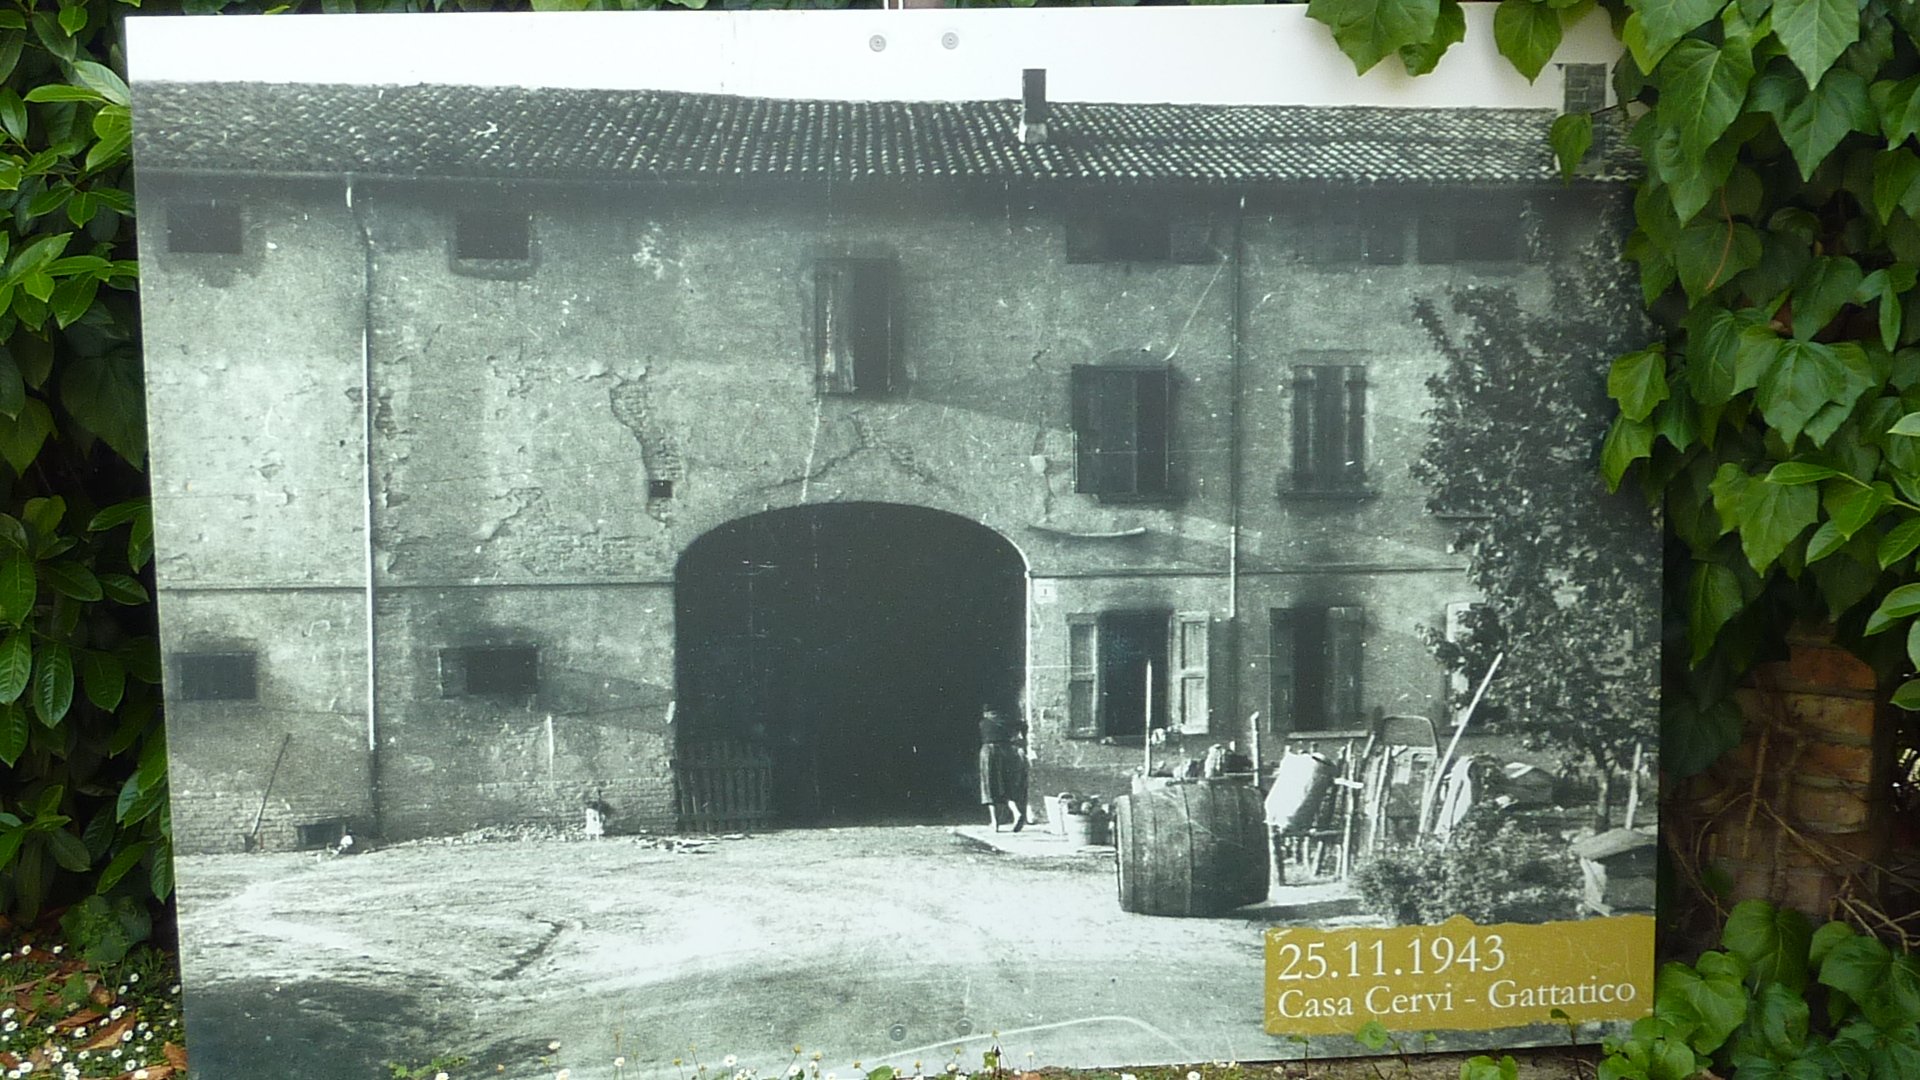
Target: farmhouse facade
(515,450)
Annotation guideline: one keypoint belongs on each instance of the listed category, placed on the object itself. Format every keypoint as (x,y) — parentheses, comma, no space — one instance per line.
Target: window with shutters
(1329,430)
(216,676)
(489,670)
(1122,417)
(1129,672)
(1314,664)
(853,326)
(1138,236)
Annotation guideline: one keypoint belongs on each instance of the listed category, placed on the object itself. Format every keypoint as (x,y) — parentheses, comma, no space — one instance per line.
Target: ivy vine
(1777,236)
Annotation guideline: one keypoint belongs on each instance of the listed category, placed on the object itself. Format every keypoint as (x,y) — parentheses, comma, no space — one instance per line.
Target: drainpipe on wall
(367,493)
(1235,357)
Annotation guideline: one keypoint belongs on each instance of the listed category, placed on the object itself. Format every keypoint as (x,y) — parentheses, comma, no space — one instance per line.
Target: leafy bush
(1783,1001)
(82,756)
(1490,875)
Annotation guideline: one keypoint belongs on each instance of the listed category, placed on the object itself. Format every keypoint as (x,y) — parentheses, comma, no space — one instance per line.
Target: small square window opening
(493,235)
(216,677)
(659,489)
(476,670)
(207,228)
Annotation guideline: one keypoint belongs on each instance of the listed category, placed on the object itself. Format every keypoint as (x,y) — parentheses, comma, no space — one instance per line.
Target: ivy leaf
(1789,473)
(1727,352)
(1894,173)
(21,439)
(1897,104)
(1908,695)
(52,683)
(1899,542)
(1692,738)
(1527,33)
(1815,32)
(1826,540)
(1702,89)
(1708,254)
(1571,136)
(1627,442)
(1369,30)
(13,733)
(16,665)
(1805,376)
(1773,941)
(1826,286)
(1851,506)
(1659,24)
(1857,966)
(1449,29)
(1816,123)
(1771,517)
(1638,381)
(1901,603)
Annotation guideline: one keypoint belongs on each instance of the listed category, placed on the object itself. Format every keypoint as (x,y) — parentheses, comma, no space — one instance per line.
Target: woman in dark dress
(1003,767)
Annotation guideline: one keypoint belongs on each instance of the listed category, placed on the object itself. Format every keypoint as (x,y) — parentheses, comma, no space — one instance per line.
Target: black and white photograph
(799,544)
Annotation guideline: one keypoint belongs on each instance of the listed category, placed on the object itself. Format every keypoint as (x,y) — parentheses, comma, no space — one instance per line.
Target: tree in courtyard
(1563,568)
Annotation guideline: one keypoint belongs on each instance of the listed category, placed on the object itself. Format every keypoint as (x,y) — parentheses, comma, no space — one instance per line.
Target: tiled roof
(505,132)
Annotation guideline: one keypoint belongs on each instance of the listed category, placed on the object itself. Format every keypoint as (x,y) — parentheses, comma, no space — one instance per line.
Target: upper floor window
(853,326)
(505,670)
(1329,429)
(215,676)
(1456,232)
(1122,419)
(209,227)
(1131,235)
(493,235)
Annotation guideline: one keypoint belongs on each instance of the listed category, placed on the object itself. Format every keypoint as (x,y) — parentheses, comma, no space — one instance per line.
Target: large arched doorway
(852,645)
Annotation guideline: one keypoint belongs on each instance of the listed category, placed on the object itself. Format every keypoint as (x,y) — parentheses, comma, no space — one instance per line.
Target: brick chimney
(1033,105)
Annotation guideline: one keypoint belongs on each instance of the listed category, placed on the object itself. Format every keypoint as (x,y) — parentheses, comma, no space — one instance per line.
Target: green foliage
(82,760)
(1783,1002)
(1509,453)
(1777,235)
(1489,873)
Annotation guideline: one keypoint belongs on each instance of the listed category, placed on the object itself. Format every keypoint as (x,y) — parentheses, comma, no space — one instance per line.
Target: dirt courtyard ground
(882,945)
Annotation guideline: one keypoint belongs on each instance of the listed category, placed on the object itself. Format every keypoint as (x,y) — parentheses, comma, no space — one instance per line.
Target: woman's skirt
(1003,774)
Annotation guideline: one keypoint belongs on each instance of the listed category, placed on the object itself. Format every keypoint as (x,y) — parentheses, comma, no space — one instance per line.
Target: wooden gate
(722,785)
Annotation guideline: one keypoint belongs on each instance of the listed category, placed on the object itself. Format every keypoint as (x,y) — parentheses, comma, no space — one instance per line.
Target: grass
(66,1019)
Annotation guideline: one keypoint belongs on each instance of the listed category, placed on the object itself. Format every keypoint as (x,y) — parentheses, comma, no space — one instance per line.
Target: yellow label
(1458,976)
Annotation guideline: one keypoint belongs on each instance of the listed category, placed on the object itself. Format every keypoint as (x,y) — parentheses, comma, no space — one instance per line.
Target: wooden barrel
(1191,849)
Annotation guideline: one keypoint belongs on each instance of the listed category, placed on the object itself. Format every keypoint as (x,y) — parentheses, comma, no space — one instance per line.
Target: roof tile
(466,132)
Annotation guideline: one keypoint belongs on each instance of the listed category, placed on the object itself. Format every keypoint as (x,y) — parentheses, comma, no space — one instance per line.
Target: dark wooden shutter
(1346,630)
(1353,464)
(1105,422)
(1282,657)
(833,323)
(1083,676)
(1189,655)
(1305,421)
(1153,434)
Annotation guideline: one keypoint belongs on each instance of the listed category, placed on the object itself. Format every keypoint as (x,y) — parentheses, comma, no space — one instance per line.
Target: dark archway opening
(853,645)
